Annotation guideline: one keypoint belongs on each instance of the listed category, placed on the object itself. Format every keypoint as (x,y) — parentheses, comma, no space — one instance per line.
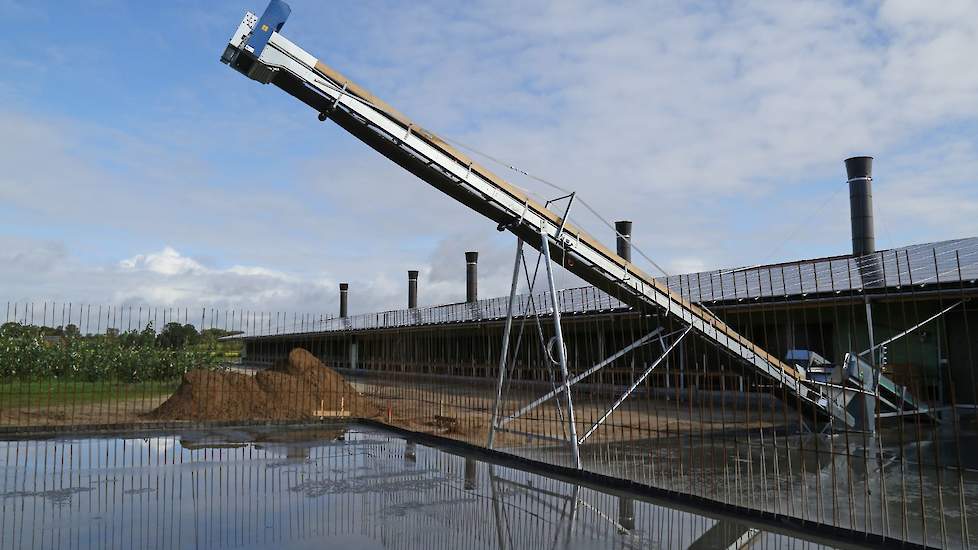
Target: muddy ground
(302,389)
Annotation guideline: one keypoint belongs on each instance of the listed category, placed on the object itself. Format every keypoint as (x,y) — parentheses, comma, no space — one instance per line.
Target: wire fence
(649,401)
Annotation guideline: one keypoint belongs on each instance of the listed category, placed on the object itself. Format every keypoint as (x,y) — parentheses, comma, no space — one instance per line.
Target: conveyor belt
(280,62)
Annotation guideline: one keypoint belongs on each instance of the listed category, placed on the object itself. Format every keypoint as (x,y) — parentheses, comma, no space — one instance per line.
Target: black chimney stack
(412,289)
(860,173)
(344,288)
(624,239)
(471,277)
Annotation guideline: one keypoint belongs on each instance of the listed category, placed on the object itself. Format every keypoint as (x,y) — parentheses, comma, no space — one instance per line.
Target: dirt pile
(301,387)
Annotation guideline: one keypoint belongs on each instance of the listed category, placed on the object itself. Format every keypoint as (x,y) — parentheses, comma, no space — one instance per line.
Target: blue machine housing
(271,21)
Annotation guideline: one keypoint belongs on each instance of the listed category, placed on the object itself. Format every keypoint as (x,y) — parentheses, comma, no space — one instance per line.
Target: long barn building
(914,304)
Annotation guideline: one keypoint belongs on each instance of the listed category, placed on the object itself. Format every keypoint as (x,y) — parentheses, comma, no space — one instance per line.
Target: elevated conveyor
(258,50)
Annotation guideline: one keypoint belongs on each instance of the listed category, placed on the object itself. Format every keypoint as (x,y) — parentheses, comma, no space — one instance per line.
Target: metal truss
(556,342)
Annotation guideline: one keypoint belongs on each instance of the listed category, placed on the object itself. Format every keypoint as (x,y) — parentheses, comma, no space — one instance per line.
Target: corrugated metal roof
(571,301)
(921,265)
(900,269)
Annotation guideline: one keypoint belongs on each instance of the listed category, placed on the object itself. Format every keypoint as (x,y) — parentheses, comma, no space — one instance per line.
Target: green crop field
(45,393)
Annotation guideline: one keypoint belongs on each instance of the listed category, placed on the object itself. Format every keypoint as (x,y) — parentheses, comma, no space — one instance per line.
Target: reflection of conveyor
(726,535)
(257,50)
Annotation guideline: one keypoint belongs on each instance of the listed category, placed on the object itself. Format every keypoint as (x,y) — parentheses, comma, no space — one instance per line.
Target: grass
(46,393)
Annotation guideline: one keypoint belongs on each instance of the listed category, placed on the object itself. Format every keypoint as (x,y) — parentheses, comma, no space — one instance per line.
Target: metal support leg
(868,410)
(410,452)
(471,475)
(504,349)
(626,513)
(574,503)
(561,350)
(499,512)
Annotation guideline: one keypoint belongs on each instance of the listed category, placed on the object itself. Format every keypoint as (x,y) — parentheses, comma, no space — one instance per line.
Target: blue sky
(139,169)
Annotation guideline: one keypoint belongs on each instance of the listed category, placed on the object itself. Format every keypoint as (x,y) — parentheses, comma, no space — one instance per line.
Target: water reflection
(881,484)
(355,488)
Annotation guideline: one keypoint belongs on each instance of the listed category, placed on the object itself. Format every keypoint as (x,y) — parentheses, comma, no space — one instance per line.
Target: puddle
(359,488)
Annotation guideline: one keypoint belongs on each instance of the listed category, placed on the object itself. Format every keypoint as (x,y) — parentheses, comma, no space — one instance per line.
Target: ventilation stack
(344,290)
(471,277)
(860,173)
(623,230)
(412,289)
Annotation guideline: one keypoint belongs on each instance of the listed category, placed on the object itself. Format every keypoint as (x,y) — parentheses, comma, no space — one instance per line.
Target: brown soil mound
(293,389)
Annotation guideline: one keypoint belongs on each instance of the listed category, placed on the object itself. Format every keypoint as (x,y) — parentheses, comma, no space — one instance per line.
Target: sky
(137,169)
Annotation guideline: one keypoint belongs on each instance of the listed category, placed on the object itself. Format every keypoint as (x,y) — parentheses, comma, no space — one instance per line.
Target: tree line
(30,352)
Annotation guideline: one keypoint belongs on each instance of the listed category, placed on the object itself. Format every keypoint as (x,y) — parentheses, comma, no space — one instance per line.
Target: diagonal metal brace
(636,384)
(549,395)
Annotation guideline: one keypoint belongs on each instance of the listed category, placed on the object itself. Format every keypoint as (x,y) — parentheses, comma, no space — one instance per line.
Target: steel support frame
(498,424)
(565,380)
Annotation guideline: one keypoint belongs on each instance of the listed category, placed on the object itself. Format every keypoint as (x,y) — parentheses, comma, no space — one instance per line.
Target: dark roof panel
(923,264)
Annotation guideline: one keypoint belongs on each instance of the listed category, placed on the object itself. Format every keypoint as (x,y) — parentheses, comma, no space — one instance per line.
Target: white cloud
(167,277)
(165,262)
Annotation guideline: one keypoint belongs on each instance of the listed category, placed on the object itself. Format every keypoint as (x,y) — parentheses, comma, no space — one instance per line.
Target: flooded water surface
(351,487)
